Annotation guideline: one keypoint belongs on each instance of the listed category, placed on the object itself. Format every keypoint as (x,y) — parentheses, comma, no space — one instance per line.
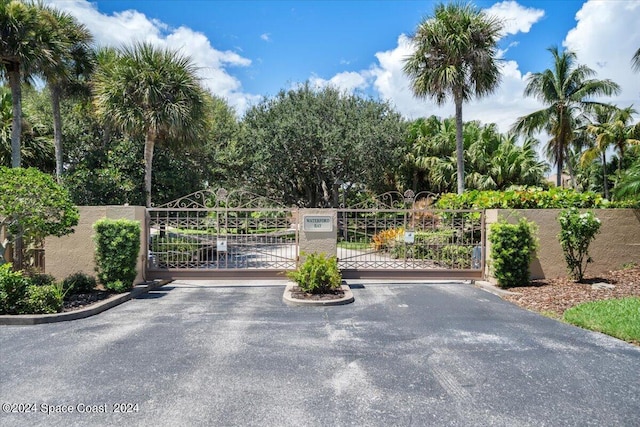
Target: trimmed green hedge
(512,249)
(117,248)
(529,198)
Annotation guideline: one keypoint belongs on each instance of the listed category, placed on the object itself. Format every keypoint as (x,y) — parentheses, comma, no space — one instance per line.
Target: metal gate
(397,235)
(221,234)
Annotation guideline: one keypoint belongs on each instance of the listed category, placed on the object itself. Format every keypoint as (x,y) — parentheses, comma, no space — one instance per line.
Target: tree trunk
(605,184)
(149,144)
(13,74)
(57,129)
(459,145)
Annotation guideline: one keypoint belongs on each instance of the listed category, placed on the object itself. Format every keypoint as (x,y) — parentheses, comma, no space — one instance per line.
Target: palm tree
(151,92)
(635,61)
(615,131)
(73,58)
(455,55)
(25,40)
(566,90)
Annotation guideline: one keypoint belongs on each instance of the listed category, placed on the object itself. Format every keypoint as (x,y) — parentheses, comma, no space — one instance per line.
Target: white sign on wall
(317,223)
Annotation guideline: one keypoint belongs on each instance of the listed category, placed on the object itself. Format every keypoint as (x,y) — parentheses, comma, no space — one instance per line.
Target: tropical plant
(577,230)
(152,92)
(628,187)
(26,42)
(455,56)
(73,57)
(635,61)
(614,131)
(567,90)
(318,274)
(493,161)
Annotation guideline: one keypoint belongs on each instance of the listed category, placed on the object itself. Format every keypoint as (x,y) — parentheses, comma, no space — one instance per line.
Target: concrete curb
(490,287)
(92,310)
(346,299)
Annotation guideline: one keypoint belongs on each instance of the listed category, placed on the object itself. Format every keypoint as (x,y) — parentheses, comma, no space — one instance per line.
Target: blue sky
(250,49)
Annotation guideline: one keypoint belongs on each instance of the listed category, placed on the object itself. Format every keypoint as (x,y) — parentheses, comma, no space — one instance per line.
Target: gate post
(318,232)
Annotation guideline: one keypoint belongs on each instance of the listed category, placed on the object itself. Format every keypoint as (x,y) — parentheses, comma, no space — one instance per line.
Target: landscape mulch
(553,296)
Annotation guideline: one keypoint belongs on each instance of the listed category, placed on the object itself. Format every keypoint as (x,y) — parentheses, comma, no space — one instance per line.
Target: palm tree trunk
(605,184)
(57,129)
(459,144)
(13,72)
(149,144)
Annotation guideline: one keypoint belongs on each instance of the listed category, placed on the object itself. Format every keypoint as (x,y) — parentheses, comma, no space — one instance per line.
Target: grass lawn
(619,318)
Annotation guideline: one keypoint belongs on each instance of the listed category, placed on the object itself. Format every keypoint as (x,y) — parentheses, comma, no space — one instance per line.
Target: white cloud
(266,37)
(349,81)
(123,28)
(605,38)
(502,107)
(515,18)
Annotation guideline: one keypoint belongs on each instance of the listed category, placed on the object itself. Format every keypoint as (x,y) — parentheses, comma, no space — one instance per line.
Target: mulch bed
(79,301)
(298,293)
(554,296)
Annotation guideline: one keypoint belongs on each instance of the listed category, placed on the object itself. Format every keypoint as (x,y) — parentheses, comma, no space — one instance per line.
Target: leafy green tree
(32,207)
(455,56)
(304,146)
(567,90)
(153,92)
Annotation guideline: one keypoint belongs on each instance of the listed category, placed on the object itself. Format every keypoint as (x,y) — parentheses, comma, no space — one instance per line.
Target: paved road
(402,354)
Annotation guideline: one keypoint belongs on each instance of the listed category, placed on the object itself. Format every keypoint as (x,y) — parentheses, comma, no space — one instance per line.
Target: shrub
(512,249)
(40,279)
(43,299)
(117,248)
(386,239)
(526,198)
(13,289)
(118,286)
(318,274)
(577,230)
(79,283)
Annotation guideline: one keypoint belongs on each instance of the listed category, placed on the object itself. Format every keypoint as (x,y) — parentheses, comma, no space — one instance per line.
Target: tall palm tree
(455,56)
(614,130)
(151,92)
(73,58)
(25,40)
(566,90)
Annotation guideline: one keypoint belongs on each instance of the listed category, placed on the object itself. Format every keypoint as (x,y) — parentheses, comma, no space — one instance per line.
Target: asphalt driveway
(402,354)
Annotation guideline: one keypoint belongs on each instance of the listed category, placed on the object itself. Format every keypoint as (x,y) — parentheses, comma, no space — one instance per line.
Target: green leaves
(318,274)
(33,205)
(117,248)
(512,249)
(577,230)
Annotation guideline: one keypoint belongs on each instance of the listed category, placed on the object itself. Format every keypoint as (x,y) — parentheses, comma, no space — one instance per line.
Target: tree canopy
(302,146)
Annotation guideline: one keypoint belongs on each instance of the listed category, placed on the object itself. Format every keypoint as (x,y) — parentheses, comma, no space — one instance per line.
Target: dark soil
(79,301)
(298,293)
(553,296)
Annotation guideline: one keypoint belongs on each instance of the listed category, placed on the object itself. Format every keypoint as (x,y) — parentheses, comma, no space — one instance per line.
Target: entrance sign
(318,223)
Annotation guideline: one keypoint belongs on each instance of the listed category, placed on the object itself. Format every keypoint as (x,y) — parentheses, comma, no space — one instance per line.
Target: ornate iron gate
(221,234)
(399,235)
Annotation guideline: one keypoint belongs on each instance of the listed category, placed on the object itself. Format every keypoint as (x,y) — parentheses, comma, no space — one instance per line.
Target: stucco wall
(318,242)
(75,252)
(618,242)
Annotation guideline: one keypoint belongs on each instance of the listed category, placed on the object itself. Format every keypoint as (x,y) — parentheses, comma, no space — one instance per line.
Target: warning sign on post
(317,223)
